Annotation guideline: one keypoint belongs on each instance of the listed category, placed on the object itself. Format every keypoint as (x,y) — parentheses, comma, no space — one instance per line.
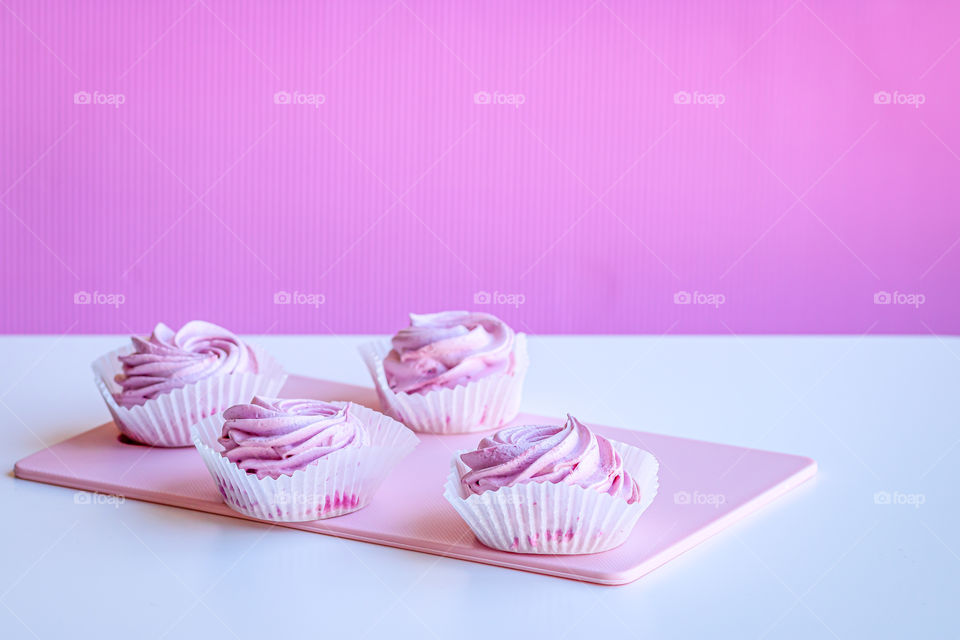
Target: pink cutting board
(704,488)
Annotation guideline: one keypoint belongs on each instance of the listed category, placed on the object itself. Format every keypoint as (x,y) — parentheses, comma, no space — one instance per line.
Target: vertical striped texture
(594,203)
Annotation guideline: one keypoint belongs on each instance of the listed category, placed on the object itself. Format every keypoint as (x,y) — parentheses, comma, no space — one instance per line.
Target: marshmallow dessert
(552,489)
(160,385)
(277,437)
(450,372)
(295,460)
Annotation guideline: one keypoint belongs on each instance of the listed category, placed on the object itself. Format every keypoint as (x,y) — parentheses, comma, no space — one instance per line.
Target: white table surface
(877,413)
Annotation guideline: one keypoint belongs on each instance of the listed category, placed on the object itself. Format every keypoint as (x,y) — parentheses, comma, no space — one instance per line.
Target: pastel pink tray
(410,512)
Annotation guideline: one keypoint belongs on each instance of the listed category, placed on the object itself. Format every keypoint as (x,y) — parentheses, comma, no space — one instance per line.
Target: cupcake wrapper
(548,518)
(342,482)
(480,405)
(165,421)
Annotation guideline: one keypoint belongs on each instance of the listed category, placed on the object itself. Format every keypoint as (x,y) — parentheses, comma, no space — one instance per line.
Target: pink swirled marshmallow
(571,454)
(447,349)
(169,360)
(274,437)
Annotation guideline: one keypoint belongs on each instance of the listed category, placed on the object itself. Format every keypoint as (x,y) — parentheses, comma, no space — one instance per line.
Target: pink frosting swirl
(273,437)
(570,454)
(444,350)
(166,360)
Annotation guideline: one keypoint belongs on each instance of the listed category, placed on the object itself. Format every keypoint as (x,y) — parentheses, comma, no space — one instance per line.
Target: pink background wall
(598,199)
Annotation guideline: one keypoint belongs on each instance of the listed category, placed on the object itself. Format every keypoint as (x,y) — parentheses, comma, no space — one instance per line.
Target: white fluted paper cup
(548,518)
(165,421)
(336,484)
(479,405)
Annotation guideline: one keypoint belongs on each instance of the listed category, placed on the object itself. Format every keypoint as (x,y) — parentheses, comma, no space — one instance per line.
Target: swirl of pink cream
(273,437)
(570,454)
(166,360)
(444,350)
